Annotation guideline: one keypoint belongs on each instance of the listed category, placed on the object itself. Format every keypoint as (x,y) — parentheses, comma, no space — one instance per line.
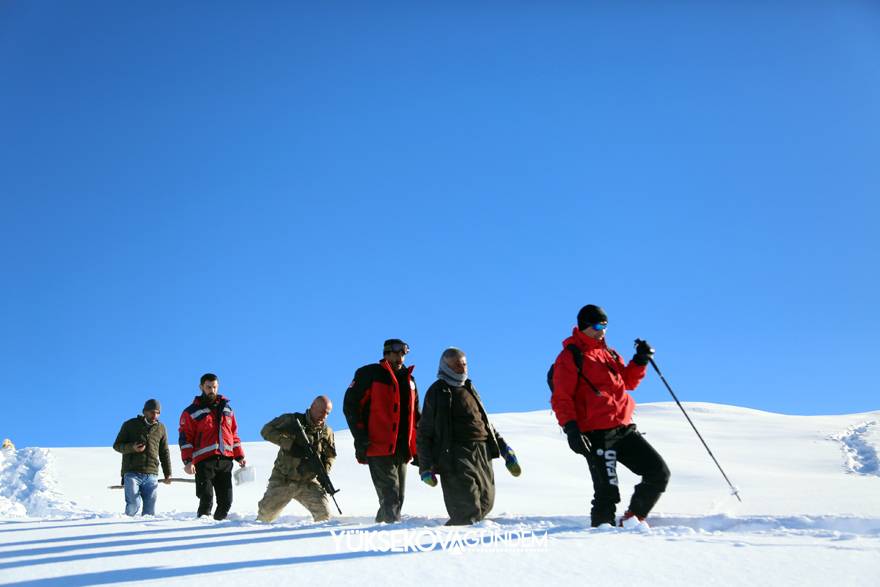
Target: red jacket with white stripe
(208,430)
(574,399)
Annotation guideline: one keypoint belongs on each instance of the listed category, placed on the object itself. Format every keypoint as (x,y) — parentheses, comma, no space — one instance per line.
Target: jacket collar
(583,342)
(448,387)
(387,366)
(143,420)
(200,401)
(309,423)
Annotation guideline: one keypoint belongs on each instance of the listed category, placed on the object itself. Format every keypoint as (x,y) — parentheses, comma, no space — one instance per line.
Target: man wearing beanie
(590,399)
(381,407)
(457,442)
(143,443)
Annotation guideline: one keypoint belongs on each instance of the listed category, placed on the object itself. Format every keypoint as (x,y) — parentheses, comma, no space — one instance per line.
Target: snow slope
(810,515)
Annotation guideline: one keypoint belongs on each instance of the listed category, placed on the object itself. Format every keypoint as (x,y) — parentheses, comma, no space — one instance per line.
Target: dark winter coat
(374,405)
(435,428)
(209,430)
(154,436)
(574,399)
(291,460)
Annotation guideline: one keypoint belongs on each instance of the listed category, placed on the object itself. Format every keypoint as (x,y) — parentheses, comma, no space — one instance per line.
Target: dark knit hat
(394,344)
(590,315)
(152,404)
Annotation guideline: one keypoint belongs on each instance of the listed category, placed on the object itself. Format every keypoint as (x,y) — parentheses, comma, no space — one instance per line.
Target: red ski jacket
(374,406)
(209,430)
(574,399)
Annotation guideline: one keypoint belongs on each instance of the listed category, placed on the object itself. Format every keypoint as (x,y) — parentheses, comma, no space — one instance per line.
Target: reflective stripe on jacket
(209,430)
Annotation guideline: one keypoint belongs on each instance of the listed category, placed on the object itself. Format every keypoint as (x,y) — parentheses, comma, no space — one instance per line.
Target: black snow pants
(627,446)
(214,474)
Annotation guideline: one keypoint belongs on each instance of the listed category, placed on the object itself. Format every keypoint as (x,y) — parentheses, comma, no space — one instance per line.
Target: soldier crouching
(294,476)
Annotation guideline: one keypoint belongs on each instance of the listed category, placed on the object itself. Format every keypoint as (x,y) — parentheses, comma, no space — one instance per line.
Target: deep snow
(810,515)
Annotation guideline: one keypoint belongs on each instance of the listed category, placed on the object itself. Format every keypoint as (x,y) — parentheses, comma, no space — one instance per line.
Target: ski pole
(700,436)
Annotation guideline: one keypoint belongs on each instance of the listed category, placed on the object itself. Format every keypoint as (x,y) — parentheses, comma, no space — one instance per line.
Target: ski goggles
(599,326)
(397,348)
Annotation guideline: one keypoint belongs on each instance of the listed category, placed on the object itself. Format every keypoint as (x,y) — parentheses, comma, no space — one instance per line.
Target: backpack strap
(579,363)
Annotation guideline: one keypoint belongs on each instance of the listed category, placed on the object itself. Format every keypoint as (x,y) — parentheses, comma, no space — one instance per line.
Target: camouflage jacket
(292,461)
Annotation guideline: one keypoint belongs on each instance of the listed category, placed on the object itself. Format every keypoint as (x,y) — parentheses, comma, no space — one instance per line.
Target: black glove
(576,441)
(644,352)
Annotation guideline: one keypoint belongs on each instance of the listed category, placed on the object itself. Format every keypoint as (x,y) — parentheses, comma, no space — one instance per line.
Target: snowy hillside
(810,515)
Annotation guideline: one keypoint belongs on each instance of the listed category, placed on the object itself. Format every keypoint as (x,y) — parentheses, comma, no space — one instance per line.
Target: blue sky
(269,191)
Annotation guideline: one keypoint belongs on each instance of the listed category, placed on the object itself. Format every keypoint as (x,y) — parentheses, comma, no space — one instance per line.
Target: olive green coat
(154,437)
(291,462)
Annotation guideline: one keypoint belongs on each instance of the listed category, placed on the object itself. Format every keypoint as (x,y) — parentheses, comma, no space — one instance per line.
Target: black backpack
(578,362)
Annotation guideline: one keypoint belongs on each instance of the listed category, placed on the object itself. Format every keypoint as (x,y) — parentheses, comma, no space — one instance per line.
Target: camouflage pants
(469,485)
(281,490)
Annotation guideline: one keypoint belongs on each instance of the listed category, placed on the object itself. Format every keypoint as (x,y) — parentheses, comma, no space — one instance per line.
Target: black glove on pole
(576,441)
(642,346)
(644,352)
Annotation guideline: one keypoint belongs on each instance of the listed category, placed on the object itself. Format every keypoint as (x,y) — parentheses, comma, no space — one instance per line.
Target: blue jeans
(140,486)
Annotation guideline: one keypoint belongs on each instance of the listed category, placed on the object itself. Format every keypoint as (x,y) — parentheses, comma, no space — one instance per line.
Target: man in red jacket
(208,444)
(382,409)
(590,399)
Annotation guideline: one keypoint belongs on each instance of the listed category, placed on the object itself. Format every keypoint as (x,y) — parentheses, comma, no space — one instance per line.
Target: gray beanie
(152,404)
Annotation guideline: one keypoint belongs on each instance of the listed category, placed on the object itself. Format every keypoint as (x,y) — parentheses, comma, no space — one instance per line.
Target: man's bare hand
(140,447)
(189,469)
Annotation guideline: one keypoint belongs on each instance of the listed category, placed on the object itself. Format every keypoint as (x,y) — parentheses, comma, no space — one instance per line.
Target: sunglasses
(398,348)
(599,326)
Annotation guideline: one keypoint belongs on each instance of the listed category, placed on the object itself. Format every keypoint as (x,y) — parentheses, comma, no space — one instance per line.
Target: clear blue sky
(268,191)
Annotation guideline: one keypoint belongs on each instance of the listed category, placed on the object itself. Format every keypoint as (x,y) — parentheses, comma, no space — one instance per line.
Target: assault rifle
(317,465)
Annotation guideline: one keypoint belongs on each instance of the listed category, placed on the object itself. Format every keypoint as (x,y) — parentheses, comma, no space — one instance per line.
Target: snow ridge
(859,444)
(807,519)
(28,486)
